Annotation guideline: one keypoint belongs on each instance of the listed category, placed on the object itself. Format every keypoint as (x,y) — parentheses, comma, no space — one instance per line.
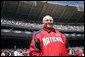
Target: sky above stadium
(68,2)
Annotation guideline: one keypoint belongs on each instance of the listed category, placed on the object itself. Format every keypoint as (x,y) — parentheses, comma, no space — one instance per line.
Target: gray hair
(46,17)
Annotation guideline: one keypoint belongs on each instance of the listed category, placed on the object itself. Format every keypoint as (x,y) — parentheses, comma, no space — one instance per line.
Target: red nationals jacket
(48,43)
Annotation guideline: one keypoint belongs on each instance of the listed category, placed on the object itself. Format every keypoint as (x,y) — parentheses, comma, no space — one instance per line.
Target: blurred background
(20,19)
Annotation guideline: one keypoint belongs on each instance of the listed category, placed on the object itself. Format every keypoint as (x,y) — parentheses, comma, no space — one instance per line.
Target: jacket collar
(49,30)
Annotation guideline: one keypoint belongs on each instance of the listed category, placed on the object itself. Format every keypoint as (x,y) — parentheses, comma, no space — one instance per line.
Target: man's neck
(48,28)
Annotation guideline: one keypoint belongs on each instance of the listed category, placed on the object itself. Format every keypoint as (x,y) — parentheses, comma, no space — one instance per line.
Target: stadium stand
(21,23)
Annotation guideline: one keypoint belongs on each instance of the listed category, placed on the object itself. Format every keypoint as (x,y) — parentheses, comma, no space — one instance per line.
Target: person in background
(16,53)
(78,53)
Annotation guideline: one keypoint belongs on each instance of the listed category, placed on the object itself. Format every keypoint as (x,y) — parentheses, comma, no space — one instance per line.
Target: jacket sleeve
(66,44)
(63,38)
(34,47)
(65,41)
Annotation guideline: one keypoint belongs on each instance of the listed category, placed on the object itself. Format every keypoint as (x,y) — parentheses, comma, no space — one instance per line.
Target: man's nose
(49,21)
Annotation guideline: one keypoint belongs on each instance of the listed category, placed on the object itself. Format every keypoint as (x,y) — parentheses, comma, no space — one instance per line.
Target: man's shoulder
(37,32)
(58,32)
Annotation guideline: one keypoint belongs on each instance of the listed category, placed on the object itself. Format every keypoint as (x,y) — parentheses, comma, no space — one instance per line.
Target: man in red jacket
(48,41)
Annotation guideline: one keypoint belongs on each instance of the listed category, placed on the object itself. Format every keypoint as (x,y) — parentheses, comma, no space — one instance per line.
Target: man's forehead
(47,18)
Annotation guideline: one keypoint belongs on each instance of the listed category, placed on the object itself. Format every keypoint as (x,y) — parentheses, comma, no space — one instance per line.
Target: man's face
(48,22)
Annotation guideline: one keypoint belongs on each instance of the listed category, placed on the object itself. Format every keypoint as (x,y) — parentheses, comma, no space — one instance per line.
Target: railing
(28,32)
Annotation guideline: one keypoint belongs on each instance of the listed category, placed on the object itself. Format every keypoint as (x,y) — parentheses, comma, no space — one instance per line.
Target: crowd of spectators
(25,52)
(74,50)
(68,27)
(35,25)
(15,52)
(20,23)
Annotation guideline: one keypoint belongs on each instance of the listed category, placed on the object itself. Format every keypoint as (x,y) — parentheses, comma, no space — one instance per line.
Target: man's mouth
(48,25)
